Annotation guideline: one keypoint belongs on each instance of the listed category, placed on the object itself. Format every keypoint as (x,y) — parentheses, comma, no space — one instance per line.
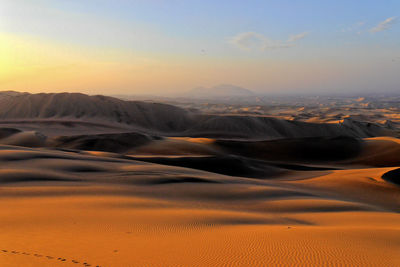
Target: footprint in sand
(39,256)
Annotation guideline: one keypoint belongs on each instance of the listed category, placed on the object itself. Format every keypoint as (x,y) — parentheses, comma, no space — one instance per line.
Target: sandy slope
(62,113)
(125,183)
(104,209)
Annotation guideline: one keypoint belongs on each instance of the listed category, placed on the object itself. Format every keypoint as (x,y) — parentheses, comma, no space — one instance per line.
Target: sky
(168,46)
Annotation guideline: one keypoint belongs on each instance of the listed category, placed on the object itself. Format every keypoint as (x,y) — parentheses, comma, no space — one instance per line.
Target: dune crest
(72,110)
(97,181)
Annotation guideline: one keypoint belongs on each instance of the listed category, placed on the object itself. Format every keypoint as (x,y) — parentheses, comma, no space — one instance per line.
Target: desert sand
(138,198)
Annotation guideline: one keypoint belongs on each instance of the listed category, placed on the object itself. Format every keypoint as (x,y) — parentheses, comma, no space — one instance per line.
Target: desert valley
(99,181)
(199,133)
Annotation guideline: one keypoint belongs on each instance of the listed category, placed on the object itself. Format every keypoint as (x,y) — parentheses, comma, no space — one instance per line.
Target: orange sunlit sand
(199,133)
(68,208)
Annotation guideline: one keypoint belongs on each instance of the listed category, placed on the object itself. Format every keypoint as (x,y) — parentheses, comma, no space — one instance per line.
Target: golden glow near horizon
(75,46)
(39,66)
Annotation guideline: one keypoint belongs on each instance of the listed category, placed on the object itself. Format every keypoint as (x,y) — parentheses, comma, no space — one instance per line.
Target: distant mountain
(223,90)
(76,106)
(10,93)
(162,118)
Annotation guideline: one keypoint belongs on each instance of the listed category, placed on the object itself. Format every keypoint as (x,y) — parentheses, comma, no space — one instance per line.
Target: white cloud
(254,40)
(294,38)
(384,25)
(354,27)
(248,40)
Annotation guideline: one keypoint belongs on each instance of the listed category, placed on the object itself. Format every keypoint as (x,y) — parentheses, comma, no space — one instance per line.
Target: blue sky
(174,45)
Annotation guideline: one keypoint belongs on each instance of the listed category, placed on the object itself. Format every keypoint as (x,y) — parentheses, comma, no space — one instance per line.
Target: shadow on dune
(256,221)
(18,176)
(228,165)
(392,176)
(179,180)
(305,150)
(6,132)
(117,143)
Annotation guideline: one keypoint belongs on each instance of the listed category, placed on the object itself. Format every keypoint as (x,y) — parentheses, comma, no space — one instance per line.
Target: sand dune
(11,136)
(96,181)
(111,210)
(118,143)
(74,106)
(71,110)
(271,128)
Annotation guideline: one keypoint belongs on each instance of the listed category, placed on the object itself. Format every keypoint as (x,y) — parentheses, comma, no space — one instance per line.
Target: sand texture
(103,209)
(99,193)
